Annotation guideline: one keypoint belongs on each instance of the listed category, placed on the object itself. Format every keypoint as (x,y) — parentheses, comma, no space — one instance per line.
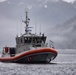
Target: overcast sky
(56,0)
(47,13)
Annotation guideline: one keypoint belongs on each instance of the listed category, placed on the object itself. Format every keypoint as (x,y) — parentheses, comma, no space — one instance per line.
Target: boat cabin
(34,40)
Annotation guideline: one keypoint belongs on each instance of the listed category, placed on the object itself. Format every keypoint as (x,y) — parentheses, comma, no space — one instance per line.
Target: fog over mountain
(52,15)
(64,35)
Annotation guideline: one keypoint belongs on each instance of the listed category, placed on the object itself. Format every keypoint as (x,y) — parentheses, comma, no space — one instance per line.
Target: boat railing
(49,44)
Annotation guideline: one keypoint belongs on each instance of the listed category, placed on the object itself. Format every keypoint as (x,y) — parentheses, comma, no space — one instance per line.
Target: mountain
(64,35)
(47,13)
(74,4)
(53,11)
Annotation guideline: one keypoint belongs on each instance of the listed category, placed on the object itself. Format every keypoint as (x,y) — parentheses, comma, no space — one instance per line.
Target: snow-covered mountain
(50,11)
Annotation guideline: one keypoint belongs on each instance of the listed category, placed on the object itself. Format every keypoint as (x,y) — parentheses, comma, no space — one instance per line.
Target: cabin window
(27,40)
(36,41)
(21,40)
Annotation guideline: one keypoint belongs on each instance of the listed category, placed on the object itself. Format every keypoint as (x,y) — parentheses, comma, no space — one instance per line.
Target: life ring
(6,49)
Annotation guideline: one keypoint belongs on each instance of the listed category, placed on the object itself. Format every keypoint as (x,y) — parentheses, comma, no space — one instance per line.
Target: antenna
(40,29)
(26,23)
(26,8)
(21,26)
(17,29)
(35,26)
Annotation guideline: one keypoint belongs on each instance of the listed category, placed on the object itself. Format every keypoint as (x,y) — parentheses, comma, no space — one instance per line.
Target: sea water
(64,64)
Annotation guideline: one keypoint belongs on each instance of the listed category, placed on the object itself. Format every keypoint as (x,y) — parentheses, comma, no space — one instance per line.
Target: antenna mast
(27,23)
(40,29)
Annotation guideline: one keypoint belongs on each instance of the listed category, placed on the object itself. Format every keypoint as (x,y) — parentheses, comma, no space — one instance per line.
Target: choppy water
(64,64)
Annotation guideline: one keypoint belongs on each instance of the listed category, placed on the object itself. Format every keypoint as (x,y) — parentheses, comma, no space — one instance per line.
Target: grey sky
(49,14)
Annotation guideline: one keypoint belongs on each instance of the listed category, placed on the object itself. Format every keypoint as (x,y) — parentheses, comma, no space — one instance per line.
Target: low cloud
(69,1)
(2,0)
(21,3)
(64,35)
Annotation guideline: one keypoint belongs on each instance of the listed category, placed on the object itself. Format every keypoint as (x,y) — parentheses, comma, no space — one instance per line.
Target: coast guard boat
(30,48)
